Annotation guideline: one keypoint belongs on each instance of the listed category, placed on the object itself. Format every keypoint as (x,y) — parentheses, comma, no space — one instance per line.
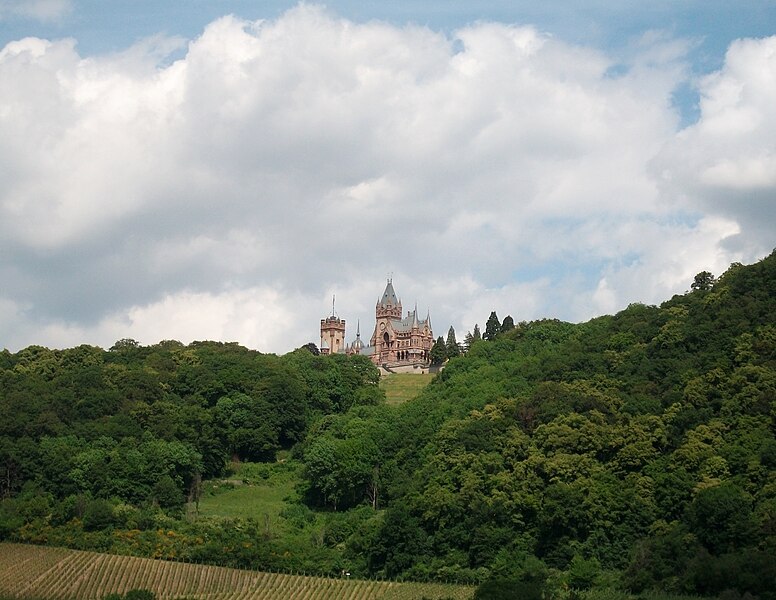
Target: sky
(195,169)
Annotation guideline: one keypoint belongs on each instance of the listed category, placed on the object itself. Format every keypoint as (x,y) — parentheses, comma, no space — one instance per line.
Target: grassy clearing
(59,574)
(400,387)
(253,490)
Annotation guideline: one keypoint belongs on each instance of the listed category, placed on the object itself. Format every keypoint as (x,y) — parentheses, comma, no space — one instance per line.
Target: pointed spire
(333,314)
(357,344)
(415,317)
(428,317)
(389,296)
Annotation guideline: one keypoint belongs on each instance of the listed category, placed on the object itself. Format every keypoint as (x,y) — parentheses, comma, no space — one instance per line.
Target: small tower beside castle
(332,333)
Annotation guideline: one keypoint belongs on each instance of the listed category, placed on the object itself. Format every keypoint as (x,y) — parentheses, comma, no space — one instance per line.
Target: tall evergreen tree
(438,352)
(468,340)
(472,337)
(492,327)
(509,323)
(451,346)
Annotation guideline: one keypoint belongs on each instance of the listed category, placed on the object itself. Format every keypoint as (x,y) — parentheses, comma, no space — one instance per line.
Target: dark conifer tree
(492,327)
(451,346)
(438,352)
(468,340)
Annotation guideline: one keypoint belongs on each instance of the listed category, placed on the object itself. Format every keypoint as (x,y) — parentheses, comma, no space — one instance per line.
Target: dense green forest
(106,450)
(633,452)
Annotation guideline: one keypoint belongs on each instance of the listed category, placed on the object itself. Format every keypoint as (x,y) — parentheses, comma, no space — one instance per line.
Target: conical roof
(389,296)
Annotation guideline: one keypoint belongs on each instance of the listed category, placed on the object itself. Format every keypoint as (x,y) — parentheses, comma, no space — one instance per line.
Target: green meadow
(401,387)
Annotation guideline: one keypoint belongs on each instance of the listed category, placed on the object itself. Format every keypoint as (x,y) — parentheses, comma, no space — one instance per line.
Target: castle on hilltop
(396,344)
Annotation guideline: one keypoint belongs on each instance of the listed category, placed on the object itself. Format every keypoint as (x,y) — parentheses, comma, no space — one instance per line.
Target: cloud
(726,162)
(39,10)
(228,193)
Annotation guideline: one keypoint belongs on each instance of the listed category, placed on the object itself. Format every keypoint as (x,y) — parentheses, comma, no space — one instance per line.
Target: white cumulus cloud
(725,164)
(229,193)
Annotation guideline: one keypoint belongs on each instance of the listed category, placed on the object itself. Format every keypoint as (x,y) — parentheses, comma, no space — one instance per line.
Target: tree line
(444,349)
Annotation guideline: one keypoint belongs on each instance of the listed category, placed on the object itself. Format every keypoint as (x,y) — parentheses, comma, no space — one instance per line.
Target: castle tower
(388,309)
(389,306)
(398,342)
(332,333)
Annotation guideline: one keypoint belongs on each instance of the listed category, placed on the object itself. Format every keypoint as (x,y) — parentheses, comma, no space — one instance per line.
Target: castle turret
(357,346)
(332,333)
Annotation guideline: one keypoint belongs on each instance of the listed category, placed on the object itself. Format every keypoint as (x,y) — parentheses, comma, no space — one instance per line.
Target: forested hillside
(107,450)
(634,451)
(640,444)
(141,422)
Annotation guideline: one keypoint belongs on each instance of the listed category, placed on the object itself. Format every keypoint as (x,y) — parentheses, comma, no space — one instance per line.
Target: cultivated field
(61,574)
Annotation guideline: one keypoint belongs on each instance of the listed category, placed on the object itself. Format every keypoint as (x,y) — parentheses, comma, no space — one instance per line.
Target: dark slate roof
(407,323)
(389,296)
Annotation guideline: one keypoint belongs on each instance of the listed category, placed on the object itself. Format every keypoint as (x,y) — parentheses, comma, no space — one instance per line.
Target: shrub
(139,595)
(98,515)
(583,572)
(508,589)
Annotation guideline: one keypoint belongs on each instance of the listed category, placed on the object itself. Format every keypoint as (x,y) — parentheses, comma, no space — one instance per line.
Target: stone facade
(399,341)
(332,334)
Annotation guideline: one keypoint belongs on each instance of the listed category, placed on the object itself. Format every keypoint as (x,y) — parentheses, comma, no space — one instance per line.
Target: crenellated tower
(332,333)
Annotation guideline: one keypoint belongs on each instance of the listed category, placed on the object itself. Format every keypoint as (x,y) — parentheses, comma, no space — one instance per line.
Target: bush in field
(139,595)
(133,595)
(508,589)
